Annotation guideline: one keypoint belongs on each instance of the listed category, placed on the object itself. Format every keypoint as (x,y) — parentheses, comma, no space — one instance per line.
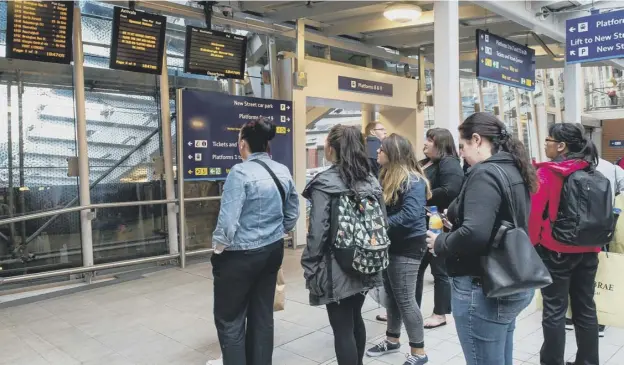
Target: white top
(614,173)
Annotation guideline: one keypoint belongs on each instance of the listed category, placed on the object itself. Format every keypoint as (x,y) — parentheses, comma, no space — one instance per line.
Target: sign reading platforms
(595,37)
(505,62)
(40,30)
(364,86)
(212,122)
(138,41)
(214,53)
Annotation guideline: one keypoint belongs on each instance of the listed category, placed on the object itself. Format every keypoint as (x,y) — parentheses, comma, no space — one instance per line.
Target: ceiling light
(403,13)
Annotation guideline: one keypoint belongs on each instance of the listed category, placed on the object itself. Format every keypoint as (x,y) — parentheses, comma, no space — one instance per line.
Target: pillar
(368,115)
(299,101)
(573,93)
(446,66)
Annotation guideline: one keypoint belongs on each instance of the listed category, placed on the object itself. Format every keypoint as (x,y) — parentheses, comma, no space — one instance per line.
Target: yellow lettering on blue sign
(201,171)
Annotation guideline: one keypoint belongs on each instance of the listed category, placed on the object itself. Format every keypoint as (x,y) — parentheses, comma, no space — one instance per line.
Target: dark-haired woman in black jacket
(445,174)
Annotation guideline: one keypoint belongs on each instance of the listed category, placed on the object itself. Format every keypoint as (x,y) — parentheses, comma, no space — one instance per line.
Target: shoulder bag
(512,265)
(279,302)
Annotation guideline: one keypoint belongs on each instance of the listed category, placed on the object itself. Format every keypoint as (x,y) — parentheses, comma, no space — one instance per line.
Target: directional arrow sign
(190,172)
(572,29)
(595,37)
(190,144)
(572,53)
(190,157)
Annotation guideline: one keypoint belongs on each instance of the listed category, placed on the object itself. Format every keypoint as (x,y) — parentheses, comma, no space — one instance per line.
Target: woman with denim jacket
(249,247)
(405,191)
(342,292)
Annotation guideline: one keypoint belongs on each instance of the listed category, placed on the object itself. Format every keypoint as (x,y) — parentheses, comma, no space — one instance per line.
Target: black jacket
(445,179)
(372,145)
(316,259)
(477,212)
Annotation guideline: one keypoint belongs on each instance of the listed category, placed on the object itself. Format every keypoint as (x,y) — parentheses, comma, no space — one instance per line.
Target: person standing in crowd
(342,292)
(248,245)
(375,133)
(573,268)
(405,191)
(445,176)
(485,326)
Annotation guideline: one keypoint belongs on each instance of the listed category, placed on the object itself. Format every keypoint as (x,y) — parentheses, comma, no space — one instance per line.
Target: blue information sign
(364,86)
(505,62)
(616,143)
(211,124)
(595,37)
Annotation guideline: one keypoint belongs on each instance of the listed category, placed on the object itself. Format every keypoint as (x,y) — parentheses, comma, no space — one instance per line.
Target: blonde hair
(401,168)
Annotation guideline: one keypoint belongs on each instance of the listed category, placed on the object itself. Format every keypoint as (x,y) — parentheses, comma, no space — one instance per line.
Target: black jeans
(441,284)
(244,290)
(346,321)
(573,276)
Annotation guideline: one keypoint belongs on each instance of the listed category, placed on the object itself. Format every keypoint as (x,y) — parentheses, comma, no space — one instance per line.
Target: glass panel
(469,95)
(201,217)
(490,97)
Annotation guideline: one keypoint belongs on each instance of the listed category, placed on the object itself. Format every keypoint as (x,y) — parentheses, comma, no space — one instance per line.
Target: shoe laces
(413,359)
(382,346)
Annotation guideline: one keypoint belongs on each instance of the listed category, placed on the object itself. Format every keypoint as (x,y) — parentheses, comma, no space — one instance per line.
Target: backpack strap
(275,180)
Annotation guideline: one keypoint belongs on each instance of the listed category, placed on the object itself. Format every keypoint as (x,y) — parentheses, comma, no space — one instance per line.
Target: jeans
(573,275)
(485,326)
(244,290)
(400,285)
(347,324)
(441,284)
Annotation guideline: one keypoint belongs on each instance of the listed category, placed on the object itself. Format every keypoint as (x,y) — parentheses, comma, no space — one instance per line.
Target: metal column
(165,116)
(573,93)
(20,127)
(10,162)
(81,136)
(273,68)
(180,161)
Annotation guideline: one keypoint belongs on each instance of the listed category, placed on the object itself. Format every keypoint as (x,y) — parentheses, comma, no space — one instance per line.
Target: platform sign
(212,122)
(138,41)
(595,37)
(40,30)
(364,86)
(505,62)
(214,53)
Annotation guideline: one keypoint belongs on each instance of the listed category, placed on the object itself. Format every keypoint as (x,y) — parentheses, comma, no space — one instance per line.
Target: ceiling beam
(377,22)
(316,9)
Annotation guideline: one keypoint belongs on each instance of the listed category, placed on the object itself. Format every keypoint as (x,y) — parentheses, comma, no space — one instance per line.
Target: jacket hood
(329,181)
(564,168)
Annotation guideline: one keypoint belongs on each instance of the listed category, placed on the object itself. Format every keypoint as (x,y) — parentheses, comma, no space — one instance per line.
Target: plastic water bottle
(435,221)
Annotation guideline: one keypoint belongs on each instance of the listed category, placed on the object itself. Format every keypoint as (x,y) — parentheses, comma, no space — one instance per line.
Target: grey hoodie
(316,258)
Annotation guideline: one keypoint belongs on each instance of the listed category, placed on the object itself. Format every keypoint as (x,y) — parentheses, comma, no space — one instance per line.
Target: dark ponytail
(258,133)
(351,158)
(578,146)
(489,127)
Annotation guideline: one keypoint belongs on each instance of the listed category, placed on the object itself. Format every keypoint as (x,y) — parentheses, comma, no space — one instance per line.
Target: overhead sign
(595,37)
(616,143)
(212,122)
(364,86)
(505,62)
(40,30)
(138,41)
(214,53)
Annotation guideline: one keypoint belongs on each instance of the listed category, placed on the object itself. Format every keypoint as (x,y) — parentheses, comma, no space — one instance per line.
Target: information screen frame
(10,36)
(530,55)
(115,41)
(187,54)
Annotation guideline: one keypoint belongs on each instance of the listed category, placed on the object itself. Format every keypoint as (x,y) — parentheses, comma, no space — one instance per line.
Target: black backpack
(585,216)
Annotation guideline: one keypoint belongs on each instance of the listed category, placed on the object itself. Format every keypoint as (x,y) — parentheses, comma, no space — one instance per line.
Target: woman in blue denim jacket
(249,247)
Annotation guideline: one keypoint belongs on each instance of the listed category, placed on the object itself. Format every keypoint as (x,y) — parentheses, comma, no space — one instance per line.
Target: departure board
(40,30)
(214,53)
(138,41)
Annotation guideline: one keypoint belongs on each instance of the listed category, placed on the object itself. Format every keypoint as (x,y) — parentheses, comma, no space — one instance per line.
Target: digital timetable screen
(138,41)
(40,30)
(214,53)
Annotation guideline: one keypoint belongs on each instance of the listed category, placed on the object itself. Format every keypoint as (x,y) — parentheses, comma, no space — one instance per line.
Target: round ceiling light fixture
(402,13)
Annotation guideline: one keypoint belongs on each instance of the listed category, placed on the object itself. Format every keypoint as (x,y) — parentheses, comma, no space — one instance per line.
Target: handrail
(201,199)
(49,213)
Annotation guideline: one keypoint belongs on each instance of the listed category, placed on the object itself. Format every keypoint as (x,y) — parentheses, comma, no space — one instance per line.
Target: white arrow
(190,157)
(288,107)
(190,144)
(572,29)
(288,119)
(572,53)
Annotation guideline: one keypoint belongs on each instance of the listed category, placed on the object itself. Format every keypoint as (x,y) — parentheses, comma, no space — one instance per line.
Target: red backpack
(620,162)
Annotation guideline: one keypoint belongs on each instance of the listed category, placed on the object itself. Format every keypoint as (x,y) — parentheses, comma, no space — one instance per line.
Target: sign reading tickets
(214,53)
(364,86)
(595,37)
(505,62)
(212,122)
(138,41)
(40,30)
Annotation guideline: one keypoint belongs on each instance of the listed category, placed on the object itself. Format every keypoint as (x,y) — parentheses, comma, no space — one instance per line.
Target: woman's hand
(431,238)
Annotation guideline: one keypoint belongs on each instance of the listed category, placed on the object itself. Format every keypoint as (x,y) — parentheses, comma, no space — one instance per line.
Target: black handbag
(512,265)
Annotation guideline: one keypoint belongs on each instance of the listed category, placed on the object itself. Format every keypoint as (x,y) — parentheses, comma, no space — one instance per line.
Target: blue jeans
(485,326)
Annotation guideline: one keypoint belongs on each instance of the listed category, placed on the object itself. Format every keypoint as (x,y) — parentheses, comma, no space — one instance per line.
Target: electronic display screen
(214,53)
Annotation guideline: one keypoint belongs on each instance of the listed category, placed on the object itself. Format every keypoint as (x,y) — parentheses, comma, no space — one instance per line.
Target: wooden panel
(612,129)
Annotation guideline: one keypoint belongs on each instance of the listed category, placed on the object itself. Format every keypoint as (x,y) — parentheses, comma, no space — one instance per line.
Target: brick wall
(612,129)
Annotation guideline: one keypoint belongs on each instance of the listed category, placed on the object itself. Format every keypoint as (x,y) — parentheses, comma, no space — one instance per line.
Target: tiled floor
(166,318)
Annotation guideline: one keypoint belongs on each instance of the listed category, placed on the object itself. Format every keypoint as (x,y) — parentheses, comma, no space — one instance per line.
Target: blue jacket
(251,213)
(407,217)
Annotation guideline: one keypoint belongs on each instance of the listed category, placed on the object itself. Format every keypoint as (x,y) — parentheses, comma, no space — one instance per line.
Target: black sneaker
(601,330)
(569,324)
(384,347)
(416,360)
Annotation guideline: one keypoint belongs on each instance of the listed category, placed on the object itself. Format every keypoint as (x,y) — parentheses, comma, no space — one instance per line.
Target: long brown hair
(402,166)
(351,159)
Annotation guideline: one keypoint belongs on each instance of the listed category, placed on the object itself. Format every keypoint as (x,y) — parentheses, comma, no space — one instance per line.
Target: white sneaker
(218,361)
